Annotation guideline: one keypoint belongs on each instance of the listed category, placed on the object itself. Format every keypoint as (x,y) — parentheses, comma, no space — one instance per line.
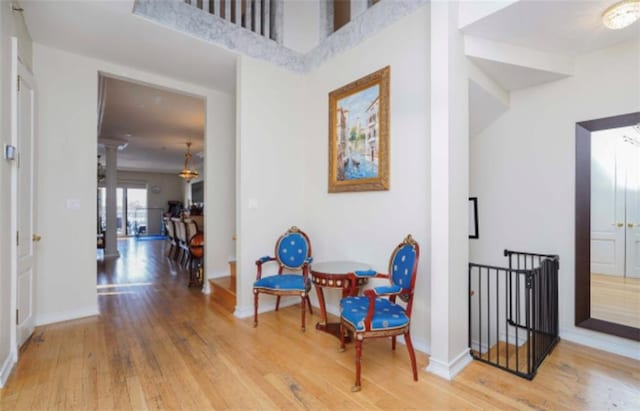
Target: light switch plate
(73,204)
(9,152)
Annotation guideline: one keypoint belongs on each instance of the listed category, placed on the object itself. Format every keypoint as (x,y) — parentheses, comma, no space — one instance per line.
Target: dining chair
(377,313)
(171,236)
(293,256)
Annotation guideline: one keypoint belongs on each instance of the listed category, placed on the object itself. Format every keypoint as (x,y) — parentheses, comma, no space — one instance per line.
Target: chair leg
(342,346)
(303,308)
(277,303)
(393,343)
(255,308)
(309,304)
(357,386)
(412,355)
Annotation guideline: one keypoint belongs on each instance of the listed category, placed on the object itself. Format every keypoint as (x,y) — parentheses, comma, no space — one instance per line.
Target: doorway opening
(146,134)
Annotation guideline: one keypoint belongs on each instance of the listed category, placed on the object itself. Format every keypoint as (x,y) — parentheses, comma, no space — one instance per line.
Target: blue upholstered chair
(293,255)
(376,314)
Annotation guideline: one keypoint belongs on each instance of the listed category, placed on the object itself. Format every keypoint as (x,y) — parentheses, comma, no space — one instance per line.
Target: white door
(25,236)
(608,186)
(633,211)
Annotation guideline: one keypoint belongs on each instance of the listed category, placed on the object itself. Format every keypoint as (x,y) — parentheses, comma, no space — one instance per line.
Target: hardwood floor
(159,345)
(616,299)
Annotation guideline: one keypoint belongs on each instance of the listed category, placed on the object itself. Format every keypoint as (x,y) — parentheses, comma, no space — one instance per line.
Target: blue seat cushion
(386,315)
(284,282)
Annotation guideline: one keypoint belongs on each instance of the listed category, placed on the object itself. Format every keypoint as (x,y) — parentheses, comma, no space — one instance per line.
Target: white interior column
(111,181)
(449,196)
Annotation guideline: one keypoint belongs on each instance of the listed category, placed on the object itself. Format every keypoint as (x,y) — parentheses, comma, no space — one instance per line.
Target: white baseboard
(593,339)
(51,318)
(449,370)
(521,340)
(217,274)
(481,348)
(247,311)
(7,367)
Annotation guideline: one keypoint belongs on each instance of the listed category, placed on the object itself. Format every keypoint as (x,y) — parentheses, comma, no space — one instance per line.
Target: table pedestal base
(333,329)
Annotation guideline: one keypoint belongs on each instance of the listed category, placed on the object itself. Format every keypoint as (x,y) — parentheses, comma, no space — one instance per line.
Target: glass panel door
(137,211)
(121,229)
(131,211)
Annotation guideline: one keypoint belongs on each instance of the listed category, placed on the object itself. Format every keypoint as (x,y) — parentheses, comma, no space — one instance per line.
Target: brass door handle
(631,225)
(35,238)
(618,225)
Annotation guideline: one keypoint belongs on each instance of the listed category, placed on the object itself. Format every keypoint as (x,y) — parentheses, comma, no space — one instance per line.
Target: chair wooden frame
(405,294)
(304,295)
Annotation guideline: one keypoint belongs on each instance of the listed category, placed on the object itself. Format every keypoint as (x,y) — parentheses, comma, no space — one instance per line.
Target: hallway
(158,344)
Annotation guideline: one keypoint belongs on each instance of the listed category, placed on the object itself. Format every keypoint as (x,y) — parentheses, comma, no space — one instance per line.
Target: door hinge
(17,316)
(18,82)
(18,162)
(17,237)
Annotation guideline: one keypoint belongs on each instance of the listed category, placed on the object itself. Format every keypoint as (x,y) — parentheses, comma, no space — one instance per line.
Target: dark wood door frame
(583,226)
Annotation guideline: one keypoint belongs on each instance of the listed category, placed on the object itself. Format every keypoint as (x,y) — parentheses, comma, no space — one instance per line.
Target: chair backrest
(198,219)
(403,267)
(293,248)
(192,229)
(170,231)
(181,233)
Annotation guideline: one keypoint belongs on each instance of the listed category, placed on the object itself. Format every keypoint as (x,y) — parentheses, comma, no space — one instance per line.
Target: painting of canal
(357,135)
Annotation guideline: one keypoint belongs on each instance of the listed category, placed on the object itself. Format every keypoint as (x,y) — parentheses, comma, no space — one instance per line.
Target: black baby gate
(513,312)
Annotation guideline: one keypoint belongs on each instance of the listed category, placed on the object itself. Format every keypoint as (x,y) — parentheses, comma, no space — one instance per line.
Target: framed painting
(359,134)
(473,218)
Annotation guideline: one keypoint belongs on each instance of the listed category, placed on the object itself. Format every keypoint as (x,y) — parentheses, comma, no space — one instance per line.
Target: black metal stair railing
(513,312)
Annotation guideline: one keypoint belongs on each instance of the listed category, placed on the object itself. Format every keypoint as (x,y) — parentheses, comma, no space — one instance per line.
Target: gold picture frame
(359,134)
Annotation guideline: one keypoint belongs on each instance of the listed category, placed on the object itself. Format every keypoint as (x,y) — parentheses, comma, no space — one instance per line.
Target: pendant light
(188,173)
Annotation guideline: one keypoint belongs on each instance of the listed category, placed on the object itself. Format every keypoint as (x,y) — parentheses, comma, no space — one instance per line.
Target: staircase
(224,289)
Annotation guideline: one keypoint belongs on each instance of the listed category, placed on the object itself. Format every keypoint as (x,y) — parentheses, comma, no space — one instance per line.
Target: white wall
(271,165)
(301,25)
(523,171)
(11,24)
(65,155)
(283,163)
(367,226)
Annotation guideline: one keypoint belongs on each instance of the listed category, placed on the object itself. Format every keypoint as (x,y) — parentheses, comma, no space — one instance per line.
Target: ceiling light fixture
(188,173)
(621,14)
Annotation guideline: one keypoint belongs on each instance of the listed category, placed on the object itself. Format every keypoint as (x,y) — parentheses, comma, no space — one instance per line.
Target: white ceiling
(108,30)
(568,27)
(513,77)
(157,123)
(562,29)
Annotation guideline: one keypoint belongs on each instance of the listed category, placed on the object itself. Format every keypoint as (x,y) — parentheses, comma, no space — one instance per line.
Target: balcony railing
(257,16)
